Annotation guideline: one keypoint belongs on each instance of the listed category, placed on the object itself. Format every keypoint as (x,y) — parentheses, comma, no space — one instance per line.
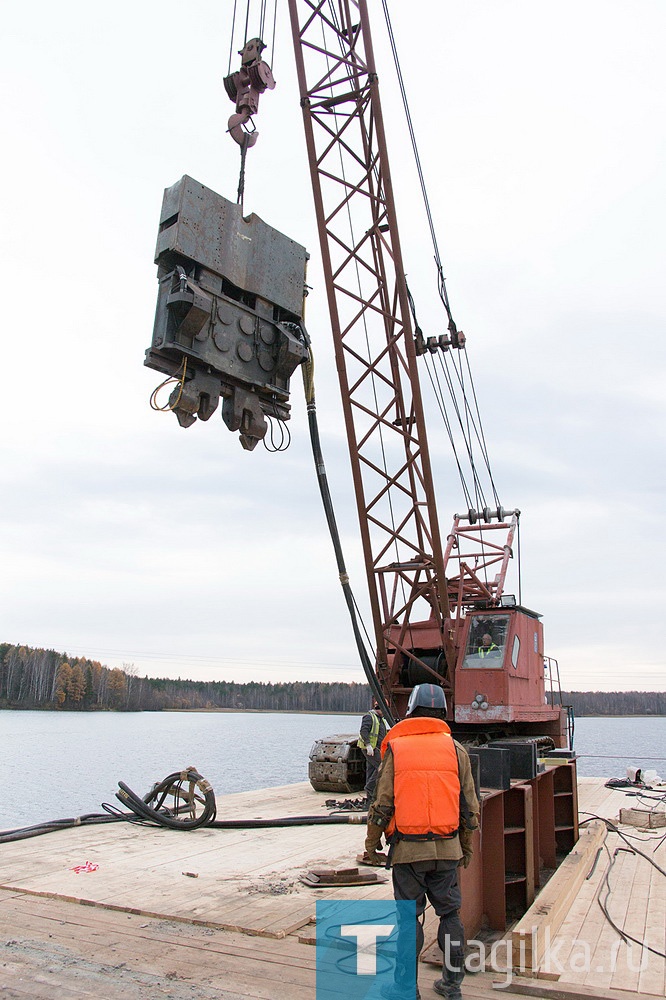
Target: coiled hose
(152,809)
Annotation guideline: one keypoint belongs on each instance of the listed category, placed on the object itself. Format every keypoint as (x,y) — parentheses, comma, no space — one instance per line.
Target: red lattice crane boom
(425,628)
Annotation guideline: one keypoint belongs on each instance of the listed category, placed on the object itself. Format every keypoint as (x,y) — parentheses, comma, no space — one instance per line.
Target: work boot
(449,985)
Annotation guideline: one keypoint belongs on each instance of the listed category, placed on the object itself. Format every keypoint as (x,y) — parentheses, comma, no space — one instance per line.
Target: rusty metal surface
(337,764)
(320,878)
(201,225)
(244,88)
(229,310)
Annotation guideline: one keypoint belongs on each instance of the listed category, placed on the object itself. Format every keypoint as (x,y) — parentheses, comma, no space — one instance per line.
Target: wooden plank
(630,956)
(579,923)
(91,922)
(559,991)
(589,790)
(548,911)
(653,978)
(19,984)
(156,959)
(632,960)
(605,952)
(589,949)
(144,873)
(147,962)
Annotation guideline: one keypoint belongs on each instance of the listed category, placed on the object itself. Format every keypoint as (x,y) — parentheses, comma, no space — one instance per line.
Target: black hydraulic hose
(51,826)
(322,480)
(24,833)
(258,824)
(151,807)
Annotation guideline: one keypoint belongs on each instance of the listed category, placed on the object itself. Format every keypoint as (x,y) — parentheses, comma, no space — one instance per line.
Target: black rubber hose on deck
(257,824)
(93,819)
(51,826)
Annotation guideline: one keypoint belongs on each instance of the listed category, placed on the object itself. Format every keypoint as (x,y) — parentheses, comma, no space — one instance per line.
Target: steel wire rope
(478,489)
(481,502)
(456,363)
(417,157)
(439,398)
(274,33)
(482,440)
(520,567)
(262,19)
(480,495)
(438,262)
(380,429)
(231,40)
(476,423)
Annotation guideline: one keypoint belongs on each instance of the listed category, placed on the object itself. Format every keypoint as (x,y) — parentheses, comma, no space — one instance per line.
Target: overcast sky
(542,130)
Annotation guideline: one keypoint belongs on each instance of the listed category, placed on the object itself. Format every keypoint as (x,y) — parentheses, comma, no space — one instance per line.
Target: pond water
(63,764)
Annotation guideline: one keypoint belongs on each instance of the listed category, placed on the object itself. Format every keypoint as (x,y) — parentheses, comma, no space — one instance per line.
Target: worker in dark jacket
(371,736)
(426,805)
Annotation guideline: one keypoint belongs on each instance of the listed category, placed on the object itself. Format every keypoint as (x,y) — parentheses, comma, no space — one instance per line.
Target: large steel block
(229,310)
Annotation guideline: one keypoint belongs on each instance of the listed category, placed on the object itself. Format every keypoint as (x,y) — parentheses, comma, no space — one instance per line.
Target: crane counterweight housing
(229,311)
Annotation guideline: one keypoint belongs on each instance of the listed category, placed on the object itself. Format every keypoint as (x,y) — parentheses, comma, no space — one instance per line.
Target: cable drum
(413,673)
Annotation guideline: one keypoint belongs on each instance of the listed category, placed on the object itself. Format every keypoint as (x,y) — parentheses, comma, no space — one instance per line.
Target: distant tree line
(43,678)
(616,702)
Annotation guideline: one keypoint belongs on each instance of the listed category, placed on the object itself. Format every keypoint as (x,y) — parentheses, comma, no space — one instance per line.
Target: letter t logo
(366,944)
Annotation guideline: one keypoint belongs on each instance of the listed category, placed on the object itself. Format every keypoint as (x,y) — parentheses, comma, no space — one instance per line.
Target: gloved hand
(373,839)
(370,751)
(466,841)
(375,860)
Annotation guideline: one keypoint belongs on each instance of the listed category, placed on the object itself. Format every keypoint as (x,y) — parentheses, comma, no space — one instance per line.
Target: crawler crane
(229,326)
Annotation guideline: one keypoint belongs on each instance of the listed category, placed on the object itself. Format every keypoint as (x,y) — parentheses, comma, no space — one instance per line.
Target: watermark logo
(541,952)
(366,949)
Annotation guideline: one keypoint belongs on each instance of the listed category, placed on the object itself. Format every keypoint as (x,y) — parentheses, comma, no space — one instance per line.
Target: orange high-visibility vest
(426,784)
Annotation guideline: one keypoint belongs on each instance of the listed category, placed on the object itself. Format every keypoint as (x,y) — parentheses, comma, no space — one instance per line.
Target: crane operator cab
(500,670)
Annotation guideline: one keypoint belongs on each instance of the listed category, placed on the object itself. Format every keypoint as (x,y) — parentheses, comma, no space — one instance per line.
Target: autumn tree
(77,685)
(116,687)
(63,680)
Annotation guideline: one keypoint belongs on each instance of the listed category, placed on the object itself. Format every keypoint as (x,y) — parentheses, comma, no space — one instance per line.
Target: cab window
(486,642)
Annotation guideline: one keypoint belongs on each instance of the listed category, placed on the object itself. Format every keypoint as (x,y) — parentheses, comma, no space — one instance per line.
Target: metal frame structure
(477,554)
(371,323)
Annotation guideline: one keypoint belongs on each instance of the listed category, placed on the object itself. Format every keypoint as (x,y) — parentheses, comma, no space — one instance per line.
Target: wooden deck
(243,928)
(637,904)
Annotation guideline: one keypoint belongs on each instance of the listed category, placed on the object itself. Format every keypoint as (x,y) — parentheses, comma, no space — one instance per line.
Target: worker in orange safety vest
(426,806)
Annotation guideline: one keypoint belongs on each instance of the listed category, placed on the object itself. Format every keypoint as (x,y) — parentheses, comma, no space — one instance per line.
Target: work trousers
(371,769)
(436,881)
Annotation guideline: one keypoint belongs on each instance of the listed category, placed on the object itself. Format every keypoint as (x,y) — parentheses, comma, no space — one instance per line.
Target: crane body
(229,326)
(230,308)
